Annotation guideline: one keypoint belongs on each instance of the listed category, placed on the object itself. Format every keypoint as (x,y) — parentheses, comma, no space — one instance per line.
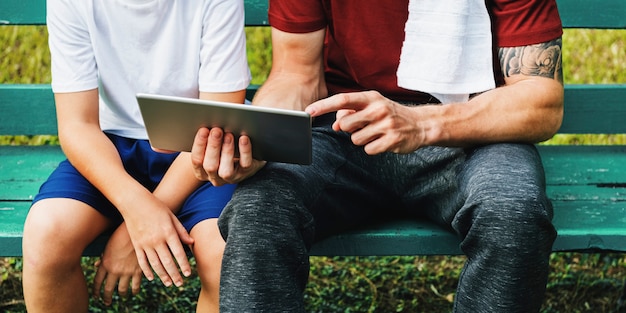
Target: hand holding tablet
(276,135)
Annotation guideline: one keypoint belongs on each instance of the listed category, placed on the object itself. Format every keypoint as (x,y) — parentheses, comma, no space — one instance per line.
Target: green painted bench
(587,184)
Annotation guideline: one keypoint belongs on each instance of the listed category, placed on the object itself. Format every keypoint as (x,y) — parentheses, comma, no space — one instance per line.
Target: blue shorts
(148,168)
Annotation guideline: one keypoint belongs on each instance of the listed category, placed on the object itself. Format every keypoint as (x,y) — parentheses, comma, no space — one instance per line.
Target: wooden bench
(587,184)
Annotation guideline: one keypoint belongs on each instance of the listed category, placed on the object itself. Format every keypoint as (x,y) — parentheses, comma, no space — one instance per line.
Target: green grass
(594,56)
(24,57)
(577,283)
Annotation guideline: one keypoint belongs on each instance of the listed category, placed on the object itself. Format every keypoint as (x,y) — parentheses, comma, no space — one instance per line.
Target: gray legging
(493,197)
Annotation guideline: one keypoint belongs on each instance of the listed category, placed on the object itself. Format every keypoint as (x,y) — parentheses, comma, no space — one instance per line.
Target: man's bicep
(543,60)
(297,52)
(297,75)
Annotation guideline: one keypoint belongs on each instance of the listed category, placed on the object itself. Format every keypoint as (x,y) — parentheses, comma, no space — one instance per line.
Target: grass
(577,283)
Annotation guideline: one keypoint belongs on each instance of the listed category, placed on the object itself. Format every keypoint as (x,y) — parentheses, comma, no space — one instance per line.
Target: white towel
(447,50)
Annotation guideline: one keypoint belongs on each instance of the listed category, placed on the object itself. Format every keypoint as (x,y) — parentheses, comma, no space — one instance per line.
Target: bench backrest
(589,108)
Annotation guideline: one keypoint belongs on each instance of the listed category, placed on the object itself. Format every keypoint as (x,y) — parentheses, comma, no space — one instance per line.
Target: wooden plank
(574,13)
(23,12)
(571,171)
(256,12)
(584,165)
(12,217)
(595,109)
(581,225)
(402,237)
(593,13)
(606,103)
(27,109)
(590,225)
(33,12)
(577,193)
(24,168)
(35,103)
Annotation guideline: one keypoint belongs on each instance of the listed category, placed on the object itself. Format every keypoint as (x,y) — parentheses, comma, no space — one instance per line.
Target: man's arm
(528,108)
(297,75)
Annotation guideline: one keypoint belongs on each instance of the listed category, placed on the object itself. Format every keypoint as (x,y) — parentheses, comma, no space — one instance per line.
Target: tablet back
(276,135)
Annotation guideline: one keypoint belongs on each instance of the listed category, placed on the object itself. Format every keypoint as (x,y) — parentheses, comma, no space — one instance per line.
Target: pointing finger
(350,101)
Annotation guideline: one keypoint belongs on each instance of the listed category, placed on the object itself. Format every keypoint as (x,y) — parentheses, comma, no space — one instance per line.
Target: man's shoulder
(525,22)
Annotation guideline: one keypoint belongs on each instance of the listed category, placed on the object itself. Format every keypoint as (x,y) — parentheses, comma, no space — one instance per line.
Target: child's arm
(118,265)
(155,231)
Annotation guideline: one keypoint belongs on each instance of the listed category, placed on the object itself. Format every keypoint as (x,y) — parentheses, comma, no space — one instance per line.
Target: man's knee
(507,225)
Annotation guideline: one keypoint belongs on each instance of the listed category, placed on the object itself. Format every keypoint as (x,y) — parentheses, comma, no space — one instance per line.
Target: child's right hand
(156,235)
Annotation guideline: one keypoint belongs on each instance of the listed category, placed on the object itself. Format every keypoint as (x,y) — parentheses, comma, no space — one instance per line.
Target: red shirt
(364,37)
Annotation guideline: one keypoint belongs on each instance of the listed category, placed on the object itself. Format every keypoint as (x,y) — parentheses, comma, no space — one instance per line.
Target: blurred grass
(24,58)
(577,283)
(594,56)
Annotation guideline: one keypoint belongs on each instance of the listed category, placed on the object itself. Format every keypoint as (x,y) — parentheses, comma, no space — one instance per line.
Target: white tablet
(276,135)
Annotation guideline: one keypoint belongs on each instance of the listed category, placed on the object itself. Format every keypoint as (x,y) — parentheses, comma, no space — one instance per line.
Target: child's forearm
(178,183)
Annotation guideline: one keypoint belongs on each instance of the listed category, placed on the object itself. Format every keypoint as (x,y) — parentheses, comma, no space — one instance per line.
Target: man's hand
(375,122)
(213,157)
(117,266)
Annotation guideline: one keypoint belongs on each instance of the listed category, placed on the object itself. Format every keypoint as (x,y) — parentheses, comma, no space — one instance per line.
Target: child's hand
(158,238)
(213,157)
(117,267)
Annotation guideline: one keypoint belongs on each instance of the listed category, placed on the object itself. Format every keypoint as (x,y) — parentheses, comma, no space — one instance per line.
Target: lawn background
(577,283)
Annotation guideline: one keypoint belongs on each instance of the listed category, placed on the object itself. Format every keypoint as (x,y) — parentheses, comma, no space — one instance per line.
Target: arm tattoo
(542,59)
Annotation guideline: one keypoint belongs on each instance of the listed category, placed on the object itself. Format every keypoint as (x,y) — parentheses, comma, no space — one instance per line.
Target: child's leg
(208,249)
(199,216)
(56,232)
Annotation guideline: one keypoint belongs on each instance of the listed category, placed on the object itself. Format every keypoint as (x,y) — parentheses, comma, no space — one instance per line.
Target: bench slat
(12,217)
(590,225)
(573,172)
(35,103)
(584,165)
(24,168)
(575,223)
(13,214)
(23,12)
(33,12)
(594,109)
(598,13)
(27,109)
(582,226)
(592,13)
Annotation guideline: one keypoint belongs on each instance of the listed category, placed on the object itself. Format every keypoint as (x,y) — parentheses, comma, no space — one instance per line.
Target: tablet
(276,135)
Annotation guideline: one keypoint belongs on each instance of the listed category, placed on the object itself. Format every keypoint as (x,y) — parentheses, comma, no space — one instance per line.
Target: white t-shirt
(122,47)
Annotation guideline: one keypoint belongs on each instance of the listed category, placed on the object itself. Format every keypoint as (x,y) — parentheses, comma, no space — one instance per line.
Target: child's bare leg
(208,250)
(55,234)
